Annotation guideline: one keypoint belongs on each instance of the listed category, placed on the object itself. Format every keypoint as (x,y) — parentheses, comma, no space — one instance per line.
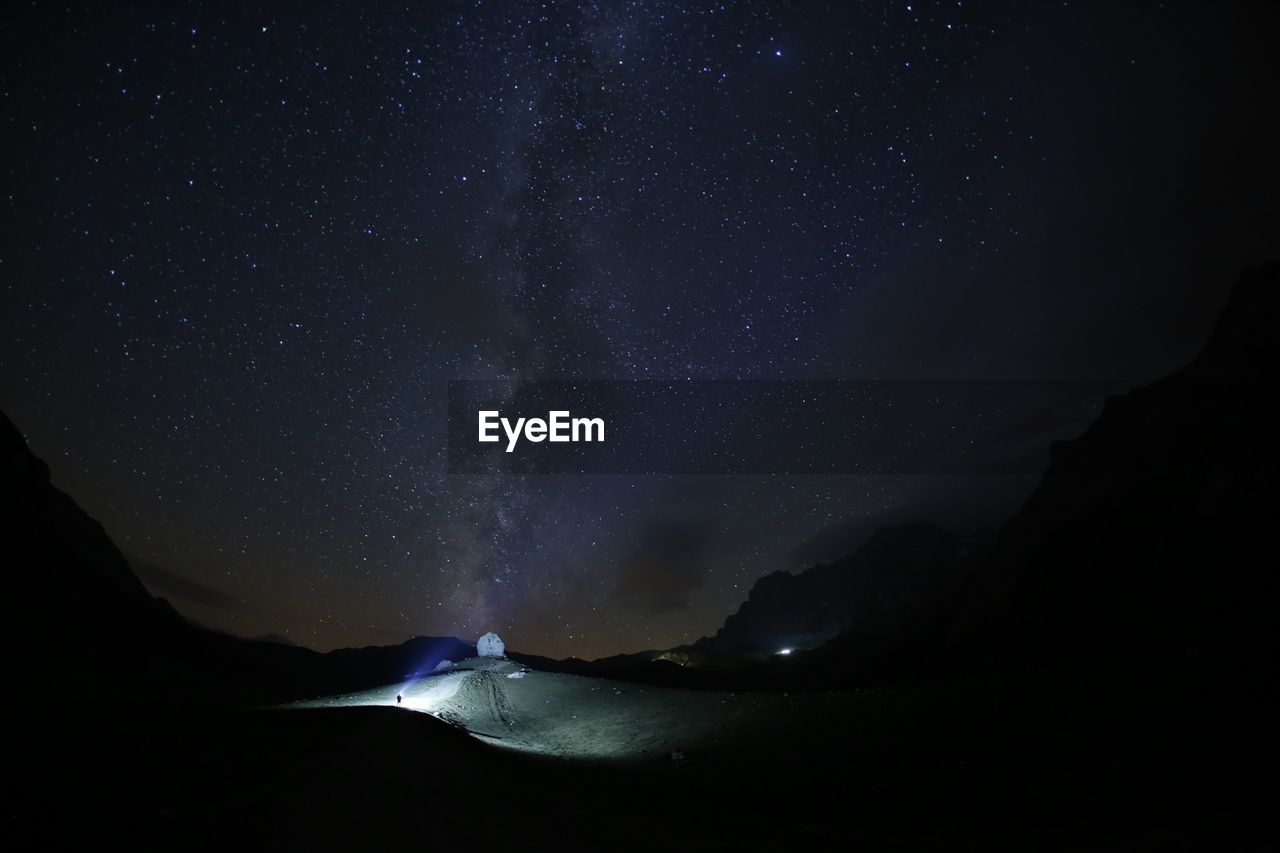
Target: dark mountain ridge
(1149,530)
(872,591)
(1153,527)
(85,619)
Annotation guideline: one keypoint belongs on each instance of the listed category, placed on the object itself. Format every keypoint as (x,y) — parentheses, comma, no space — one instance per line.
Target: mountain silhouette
(1149,532)
(1153,528)
(74,599)
(896,573)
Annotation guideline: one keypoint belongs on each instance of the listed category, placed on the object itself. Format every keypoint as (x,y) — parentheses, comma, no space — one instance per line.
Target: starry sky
(246,246)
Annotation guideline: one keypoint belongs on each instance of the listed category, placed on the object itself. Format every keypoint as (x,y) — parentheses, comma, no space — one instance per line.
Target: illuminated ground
(506,704)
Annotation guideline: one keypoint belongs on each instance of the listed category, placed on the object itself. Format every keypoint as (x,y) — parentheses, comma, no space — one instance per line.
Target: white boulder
(490,646)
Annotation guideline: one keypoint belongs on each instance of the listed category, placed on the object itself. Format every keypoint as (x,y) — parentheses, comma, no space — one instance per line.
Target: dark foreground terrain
(1052,761)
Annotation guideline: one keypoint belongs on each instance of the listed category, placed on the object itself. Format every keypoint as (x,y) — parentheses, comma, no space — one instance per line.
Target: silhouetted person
(398,698)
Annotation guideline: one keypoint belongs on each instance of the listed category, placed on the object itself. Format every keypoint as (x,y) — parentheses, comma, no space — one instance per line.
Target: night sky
(244,250)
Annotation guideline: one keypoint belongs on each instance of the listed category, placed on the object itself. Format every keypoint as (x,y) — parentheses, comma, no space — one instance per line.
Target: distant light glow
(784,651)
